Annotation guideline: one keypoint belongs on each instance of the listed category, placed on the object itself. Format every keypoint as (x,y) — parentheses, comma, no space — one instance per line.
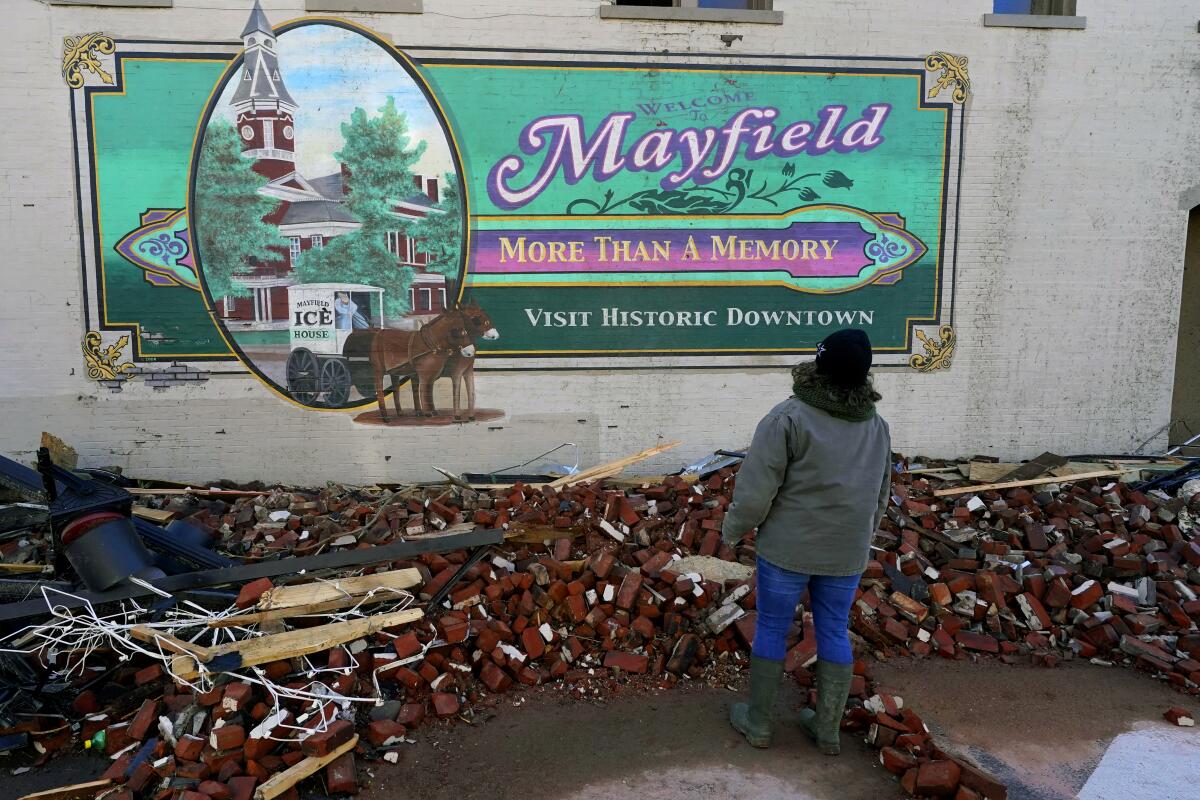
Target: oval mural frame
(409,67)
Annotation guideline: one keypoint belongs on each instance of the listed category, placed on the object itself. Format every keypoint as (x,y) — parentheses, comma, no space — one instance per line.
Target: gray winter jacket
(815,486)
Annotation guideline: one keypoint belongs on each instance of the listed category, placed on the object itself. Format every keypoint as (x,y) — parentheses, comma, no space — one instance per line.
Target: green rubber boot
(753,719)
(824,724)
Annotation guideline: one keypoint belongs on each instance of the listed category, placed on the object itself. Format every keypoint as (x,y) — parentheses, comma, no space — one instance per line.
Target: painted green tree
(228,216)
(440,235)
(379,164)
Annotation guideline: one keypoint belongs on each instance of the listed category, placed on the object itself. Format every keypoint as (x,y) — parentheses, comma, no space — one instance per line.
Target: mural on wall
(352,218)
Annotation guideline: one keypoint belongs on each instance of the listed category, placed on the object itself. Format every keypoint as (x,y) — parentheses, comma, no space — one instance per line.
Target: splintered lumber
(153,514)
(276,646)
(337,589)
(611,468)
(77,791)
(255,617)
(988,487)
(279,783)
(198,492)
(22,567)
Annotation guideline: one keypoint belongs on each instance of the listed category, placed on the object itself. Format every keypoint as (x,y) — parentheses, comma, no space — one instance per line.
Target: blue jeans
(779,592)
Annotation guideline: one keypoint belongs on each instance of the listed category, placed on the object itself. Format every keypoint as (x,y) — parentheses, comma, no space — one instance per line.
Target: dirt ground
(663,746)
(1043,731)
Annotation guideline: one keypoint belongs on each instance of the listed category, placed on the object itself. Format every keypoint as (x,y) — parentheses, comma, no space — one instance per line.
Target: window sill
(366,6)
(1034,21)
(115,3)
(692,14)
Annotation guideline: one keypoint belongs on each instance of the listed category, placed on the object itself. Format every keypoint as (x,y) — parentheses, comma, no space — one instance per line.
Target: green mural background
(904,180)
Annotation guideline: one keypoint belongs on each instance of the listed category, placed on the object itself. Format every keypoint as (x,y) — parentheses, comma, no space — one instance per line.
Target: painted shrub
(327,204)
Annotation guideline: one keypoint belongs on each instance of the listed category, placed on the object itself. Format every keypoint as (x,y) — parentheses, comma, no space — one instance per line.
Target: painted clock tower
(265,111)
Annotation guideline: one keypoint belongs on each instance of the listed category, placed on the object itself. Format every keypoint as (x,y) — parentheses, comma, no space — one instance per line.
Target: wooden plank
(931,470)
(22,567)
(987,487)
(280,782)
(610,468)
(77,791)
(198,492)
(168,642)
(255,617)
(989,472)
(153,514)
(337,589)
(279,646)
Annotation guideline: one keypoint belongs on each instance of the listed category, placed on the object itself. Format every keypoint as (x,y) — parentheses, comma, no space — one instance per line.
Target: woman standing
(815,483)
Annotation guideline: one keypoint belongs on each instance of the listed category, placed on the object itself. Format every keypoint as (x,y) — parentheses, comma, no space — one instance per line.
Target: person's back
(822,489)
(815,484)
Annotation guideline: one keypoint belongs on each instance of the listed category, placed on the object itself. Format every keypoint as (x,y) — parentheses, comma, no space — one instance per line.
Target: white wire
(79,634)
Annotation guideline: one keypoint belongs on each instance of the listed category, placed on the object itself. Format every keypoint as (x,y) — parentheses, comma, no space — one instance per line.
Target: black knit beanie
(845,357)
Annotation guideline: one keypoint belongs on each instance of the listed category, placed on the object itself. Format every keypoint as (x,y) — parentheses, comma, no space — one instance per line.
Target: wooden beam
(337,589)
(256,617)
(280,782)
(153,514)
(22,567)
(987,487)
(198,492)
(610,468)
(301,642)
(78,791)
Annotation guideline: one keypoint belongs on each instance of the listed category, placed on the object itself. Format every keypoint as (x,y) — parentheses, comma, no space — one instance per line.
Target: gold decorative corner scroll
(103,363)
(79,54)
(954,73)
(937,353)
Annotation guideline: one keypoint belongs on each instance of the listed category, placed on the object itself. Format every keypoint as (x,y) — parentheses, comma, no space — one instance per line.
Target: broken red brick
(252,591)
(445,704)
(938,778)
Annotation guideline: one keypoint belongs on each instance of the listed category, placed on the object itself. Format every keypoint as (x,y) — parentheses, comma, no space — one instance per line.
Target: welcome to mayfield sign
(622,210)
(694,212)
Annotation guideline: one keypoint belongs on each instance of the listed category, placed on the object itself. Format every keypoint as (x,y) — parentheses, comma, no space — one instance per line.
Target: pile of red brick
(586,592)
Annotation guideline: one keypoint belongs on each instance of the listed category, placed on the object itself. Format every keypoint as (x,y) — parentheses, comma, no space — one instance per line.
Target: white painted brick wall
(1078,144)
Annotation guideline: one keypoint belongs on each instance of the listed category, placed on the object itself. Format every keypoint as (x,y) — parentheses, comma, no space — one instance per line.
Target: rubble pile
(600,587)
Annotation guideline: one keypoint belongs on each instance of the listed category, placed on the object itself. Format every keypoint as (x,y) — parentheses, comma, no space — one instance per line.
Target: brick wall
(1070,256)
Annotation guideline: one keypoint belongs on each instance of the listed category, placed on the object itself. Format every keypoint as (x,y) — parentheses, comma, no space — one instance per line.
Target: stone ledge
(692,14)
(366,6)
(115,3)
(1034,21)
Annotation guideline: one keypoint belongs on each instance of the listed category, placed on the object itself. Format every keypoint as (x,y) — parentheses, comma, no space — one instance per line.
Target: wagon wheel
(302,376)
(335,381)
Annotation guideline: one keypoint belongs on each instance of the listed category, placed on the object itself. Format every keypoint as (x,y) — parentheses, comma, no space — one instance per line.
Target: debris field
(597,584)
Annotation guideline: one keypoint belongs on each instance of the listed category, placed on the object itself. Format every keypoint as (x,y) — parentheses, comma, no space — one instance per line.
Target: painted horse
(460,366)
(422,355)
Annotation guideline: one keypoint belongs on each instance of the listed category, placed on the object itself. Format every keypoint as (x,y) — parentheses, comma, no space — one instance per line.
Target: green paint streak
(143,142)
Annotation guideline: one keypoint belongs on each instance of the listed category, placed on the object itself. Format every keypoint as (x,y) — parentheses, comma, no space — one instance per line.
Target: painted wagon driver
(344,310)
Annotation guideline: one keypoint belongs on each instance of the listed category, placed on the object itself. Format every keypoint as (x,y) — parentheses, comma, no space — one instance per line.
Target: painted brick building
(1080,180)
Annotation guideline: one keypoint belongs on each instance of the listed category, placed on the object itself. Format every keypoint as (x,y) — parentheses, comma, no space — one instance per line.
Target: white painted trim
(305,230)
(691,14)
(1034,21)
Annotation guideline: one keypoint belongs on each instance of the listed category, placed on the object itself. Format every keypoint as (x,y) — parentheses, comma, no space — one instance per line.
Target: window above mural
(694,10)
